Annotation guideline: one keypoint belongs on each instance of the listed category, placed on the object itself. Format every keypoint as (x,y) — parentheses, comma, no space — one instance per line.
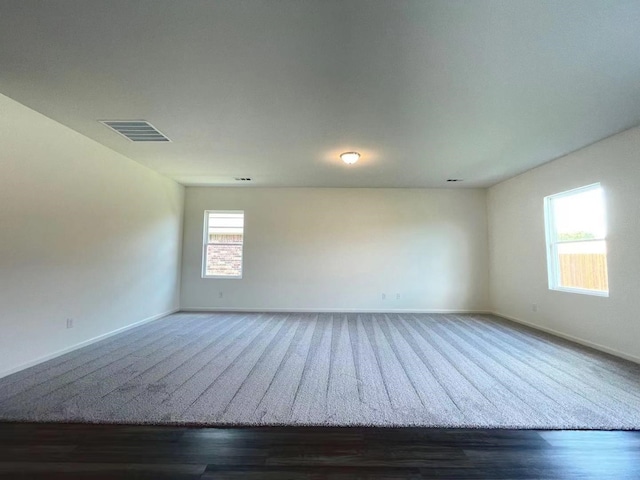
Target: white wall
(518,267)
(340,249)
(85,233)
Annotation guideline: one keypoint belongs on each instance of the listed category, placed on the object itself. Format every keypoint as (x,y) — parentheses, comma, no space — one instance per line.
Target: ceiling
(275,90)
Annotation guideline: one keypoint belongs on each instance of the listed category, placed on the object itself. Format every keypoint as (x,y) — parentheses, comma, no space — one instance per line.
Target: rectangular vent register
(136,130)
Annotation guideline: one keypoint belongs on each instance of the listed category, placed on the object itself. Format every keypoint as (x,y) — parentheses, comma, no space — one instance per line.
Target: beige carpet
(331,369)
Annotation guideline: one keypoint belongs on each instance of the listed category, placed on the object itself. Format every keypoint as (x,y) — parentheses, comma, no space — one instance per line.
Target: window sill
(222,277)
(581,291)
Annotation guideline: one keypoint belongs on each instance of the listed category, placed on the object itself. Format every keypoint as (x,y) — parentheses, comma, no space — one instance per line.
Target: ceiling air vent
(136,130)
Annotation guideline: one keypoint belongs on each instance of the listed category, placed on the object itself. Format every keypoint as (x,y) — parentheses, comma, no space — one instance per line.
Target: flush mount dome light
(350,157)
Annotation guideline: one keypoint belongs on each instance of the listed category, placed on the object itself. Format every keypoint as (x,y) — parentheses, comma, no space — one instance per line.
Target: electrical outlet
(534,307)
(69,322)
(397,296)
(384,296)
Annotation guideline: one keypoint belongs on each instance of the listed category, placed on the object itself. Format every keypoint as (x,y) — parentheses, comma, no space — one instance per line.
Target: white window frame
(205,244)
(553,268)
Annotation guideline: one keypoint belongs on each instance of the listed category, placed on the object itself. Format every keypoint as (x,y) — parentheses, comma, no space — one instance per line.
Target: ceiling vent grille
(136,130)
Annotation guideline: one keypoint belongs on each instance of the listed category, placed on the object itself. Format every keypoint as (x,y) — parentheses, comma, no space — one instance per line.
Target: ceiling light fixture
(350,157)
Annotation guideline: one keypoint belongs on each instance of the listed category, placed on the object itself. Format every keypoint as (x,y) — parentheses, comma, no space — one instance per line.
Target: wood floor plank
(74,451)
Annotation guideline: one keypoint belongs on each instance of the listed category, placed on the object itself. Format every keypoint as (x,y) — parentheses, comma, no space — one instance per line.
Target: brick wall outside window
(224,259)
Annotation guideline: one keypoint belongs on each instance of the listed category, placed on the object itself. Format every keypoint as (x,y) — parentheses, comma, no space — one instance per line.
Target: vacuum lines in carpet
(430,370)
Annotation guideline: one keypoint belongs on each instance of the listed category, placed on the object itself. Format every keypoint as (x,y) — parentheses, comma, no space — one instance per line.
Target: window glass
(224,238)
(576,245)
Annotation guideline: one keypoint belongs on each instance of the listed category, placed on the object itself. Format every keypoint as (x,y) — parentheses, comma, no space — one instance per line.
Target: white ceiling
(276,89)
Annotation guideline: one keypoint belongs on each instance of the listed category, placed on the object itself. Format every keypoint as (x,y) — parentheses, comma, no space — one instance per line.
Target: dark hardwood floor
(52,451)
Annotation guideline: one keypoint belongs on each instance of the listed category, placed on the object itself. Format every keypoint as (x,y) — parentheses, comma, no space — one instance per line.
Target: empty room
(298,239)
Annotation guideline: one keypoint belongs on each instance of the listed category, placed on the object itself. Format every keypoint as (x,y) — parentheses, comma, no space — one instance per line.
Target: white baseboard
(328,310)
(566,336)
(85,343)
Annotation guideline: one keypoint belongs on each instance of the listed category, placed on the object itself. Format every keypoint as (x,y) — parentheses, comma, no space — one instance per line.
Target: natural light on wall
(223,241)
(576,241)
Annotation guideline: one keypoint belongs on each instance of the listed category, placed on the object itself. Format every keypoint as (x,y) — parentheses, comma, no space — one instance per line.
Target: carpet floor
(473,371)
